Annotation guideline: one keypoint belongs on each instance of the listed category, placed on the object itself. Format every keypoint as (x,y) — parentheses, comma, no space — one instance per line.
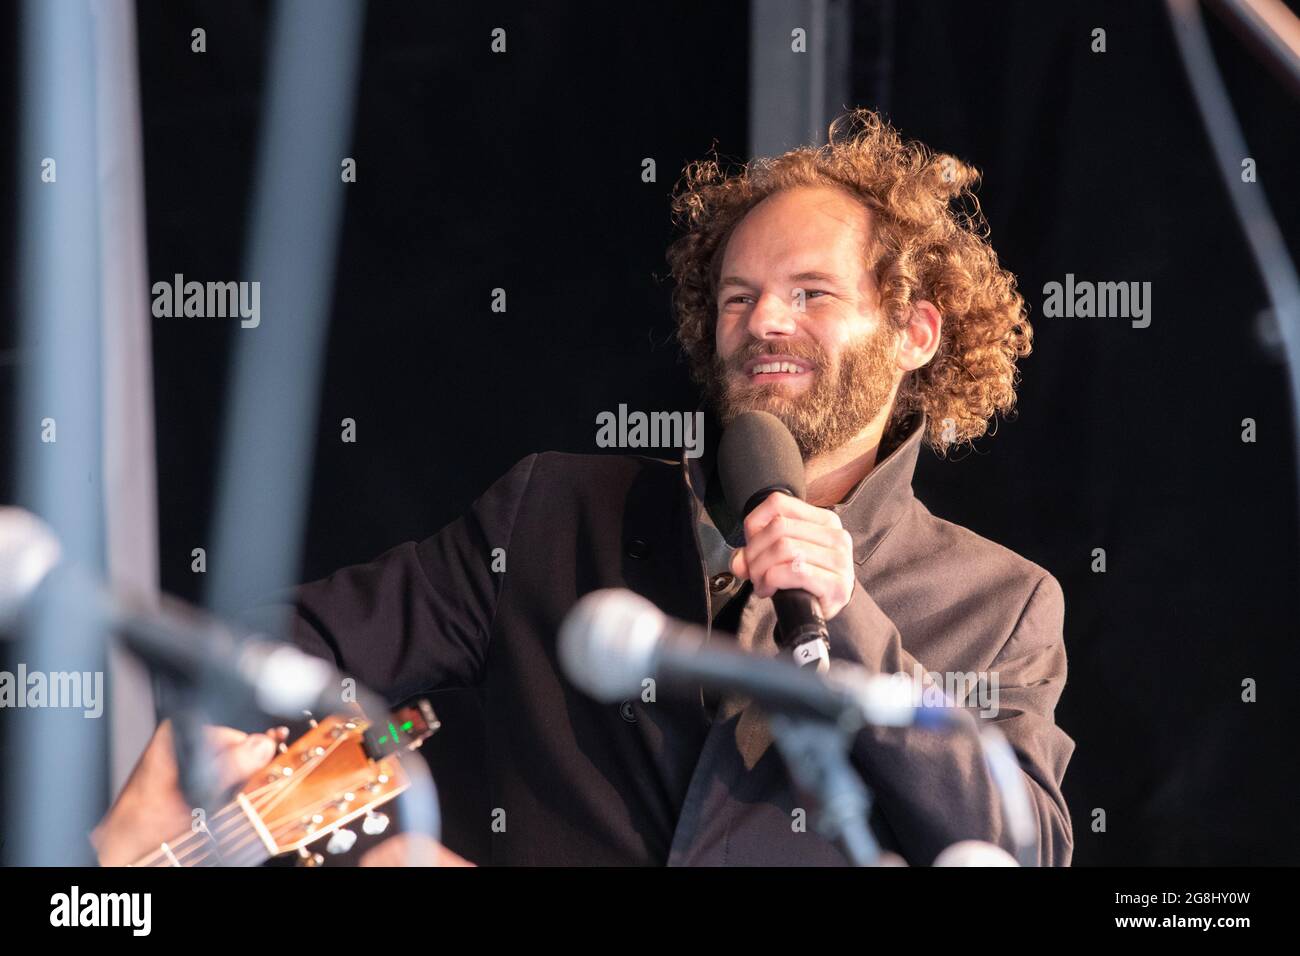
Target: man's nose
(772,317)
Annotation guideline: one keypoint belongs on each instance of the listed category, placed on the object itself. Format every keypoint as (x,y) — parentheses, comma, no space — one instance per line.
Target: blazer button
(626,712)
(638,548)
(720,582)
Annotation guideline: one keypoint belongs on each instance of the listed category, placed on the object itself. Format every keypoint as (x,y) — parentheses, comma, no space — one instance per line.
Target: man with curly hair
(841,290)
(912,266)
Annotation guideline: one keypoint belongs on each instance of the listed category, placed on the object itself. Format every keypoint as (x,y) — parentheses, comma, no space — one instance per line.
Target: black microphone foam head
(757,456)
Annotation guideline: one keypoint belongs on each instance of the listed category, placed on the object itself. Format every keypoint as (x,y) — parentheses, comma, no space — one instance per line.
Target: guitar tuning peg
(340,841)
(374,823)
(307,858)
(311,721)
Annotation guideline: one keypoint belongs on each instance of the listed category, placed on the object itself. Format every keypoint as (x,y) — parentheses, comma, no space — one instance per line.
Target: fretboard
(233,836)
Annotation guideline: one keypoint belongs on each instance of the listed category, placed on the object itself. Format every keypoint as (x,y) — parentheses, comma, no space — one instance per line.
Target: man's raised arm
(418,617)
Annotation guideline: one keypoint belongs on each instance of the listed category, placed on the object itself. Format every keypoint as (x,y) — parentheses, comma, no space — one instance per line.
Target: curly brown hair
(928,241)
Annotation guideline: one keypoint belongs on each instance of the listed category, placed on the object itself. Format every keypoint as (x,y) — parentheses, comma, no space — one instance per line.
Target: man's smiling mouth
(776,367)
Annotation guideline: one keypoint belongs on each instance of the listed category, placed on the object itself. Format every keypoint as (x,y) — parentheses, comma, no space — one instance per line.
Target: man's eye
(739,298)
(809,293)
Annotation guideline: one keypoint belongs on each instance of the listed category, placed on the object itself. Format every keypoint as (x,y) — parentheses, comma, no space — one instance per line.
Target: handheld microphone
(613,640)
(756,457)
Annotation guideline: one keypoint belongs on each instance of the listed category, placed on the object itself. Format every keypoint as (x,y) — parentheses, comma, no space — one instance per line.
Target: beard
(842,400)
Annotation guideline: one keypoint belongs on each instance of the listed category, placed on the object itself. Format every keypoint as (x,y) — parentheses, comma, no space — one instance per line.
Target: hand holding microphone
(790,544)
(795,553)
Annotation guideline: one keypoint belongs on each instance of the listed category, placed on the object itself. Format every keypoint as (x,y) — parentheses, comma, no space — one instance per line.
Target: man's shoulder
(967,551)
(586,480)
(569,467)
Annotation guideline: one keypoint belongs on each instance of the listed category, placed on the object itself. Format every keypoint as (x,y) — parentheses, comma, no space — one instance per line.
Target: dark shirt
(686,780)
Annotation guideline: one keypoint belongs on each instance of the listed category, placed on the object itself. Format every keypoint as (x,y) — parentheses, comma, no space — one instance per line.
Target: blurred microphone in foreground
(613,641)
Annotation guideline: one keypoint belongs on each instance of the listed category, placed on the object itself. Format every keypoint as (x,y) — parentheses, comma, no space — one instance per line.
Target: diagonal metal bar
(1263,237)
(270,426)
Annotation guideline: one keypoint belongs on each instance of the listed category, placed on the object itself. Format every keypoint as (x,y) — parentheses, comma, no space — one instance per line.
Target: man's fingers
(740,564)
(218,739)
(243,760)
(782,504)
(757,566)
(824,585)
(781,530)
(814,579)
(783,526)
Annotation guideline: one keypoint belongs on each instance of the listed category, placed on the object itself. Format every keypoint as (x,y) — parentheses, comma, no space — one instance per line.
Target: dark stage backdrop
(524,171)
(1129,439)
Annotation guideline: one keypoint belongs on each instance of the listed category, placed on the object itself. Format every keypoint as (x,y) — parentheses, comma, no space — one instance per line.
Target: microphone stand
(816,752)
(198,779)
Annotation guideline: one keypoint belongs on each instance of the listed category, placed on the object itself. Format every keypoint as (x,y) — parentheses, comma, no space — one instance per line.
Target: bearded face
(845,394)
(800,332)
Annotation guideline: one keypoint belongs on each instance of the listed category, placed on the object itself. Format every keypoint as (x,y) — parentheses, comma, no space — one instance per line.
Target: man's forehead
(824,207)
(830,275)
(808,233)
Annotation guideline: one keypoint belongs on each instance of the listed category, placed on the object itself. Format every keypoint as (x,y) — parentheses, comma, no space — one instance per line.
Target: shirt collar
(871,509)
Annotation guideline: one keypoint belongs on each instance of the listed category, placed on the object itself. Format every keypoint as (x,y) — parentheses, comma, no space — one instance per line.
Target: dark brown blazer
(673,781)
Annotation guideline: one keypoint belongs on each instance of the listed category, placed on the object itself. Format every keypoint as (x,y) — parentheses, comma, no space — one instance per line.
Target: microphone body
(613,640)
(756,458)
(801,629)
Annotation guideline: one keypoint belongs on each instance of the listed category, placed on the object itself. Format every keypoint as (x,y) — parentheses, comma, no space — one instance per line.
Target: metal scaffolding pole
(56,784)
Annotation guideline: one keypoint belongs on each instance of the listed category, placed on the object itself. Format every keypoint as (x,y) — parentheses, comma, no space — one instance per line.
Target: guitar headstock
(338,771)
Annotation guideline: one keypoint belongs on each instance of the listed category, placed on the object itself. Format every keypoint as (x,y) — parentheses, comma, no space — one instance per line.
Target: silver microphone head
(29,551)
(607,643)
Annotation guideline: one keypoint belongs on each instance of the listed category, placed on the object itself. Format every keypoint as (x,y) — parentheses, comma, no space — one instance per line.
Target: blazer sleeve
(418,618)
(933,790)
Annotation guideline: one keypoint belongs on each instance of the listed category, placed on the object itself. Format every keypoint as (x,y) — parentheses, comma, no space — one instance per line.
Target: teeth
(769,367)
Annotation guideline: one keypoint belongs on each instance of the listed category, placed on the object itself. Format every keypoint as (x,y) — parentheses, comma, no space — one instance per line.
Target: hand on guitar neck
(151,808)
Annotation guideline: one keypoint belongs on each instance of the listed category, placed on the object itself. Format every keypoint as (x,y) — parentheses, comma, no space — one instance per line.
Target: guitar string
(278,827)
(268,791)
(218,825)
(231,812)
(238,823)
(210,841)
(220,822)
(316,758)
(210,836)
(282,792)
(249,849)
(275,826)
(251,836)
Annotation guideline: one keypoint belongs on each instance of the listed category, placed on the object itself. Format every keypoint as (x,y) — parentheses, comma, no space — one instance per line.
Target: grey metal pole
(270,425)
(56,784)
(1263,236)
(130,484)
(798,71)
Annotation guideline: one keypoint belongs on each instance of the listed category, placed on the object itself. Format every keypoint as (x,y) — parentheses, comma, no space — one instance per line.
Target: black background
(523,171)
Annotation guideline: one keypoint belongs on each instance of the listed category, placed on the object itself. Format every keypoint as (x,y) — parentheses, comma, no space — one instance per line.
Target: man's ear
(920,337)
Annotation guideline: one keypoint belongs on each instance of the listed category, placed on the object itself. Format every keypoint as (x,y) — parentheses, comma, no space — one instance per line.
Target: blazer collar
(871,509)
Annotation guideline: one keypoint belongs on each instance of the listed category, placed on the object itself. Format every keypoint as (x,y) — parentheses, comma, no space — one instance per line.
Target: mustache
(808,351)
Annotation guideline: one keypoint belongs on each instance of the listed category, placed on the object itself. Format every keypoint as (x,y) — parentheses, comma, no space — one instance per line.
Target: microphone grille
(607,643)
(758,453)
